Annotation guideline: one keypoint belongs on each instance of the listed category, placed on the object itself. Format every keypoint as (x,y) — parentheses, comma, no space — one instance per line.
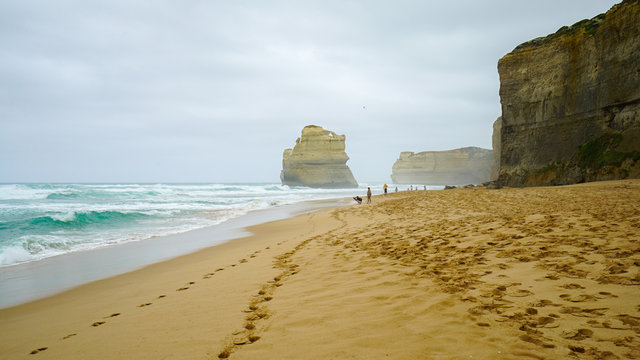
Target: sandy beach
(514,273)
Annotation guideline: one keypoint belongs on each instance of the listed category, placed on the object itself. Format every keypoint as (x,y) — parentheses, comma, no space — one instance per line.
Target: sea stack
(470,165)
(317,160)
(571,103)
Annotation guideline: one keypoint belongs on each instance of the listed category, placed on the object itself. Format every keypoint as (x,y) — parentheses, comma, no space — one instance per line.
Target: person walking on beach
(368,195)
(385,188)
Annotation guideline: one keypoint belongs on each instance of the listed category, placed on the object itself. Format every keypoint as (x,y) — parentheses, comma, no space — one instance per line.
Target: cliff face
(470,165)
(571,103)
(317,160)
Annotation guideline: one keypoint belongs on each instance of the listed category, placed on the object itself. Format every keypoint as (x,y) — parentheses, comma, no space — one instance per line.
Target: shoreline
(30,281)
(541,273)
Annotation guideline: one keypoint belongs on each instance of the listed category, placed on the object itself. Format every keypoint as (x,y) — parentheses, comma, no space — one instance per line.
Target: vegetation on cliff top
(589,25)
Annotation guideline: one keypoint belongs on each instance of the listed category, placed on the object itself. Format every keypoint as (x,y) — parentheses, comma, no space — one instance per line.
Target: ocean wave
(43,220)
(79,219)
(14,255)
(114,194)
(22,192)
(34,247)
(64,195)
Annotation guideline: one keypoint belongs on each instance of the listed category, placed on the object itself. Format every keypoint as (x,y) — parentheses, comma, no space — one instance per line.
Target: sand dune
(541,273)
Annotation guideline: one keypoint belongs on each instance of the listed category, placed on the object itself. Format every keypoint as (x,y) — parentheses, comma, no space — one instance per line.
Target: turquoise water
(43,220)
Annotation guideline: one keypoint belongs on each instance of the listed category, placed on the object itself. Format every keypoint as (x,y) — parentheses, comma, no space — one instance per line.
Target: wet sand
(38,279)
(540,273)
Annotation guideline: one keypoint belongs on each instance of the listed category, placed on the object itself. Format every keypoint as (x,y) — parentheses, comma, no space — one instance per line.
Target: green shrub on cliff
(589,25)
(601,152)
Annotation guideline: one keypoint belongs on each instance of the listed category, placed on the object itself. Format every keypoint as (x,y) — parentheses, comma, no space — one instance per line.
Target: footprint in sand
(545,302)
(68,336)
(38,350)
(112,315)
(546,322)
(572,286)
(186,287)
(145,304)
(535,340)
(162,296)
(518,292)
(577,349)
(97,323)
(254,338)
(224,354)
(240,341)
(580,312)
(605,295)
(578,335)
(578,298)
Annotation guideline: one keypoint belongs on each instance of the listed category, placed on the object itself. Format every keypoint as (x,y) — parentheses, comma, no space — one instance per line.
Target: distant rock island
(469,165)
(571,103)
(317,160)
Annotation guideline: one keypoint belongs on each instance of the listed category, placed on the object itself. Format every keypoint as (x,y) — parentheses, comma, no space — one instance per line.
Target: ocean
(39,221)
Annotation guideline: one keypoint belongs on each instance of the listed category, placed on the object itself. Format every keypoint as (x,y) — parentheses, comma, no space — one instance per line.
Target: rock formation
(571,103)
(496,145)
(470,165)
(317,160)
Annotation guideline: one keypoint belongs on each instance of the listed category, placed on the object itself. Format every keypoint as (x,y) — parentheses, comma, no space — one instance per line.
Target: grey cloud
(215,90)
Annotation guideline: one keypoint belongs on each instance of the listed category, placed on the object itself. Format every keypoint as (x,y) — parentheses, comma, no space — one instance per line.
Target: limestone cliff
(470,165)
(317,160)
(571,103)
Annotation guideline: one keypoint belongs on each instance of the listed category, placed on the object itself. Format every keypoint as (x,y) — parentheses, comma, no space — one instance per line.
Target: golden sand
(541,273)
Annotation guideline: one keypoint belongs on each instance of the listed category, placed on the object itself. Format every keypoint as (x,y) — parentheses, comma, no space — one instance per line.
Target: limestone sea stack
(469,165)
(571,103)
(317,160)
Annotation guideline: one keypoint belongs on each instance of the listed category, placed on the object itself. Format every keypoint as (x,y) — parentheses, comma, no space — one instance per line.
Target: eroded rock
(317,160)
(460,166)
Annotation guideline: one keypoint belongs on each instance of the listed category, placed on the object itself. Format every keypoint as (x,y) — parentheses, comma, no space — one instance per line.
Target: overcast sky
(214,91)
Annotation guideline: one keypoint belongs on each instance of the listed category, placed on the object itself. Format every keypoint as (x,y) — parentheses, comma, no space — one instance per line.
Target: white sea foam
(14,255)
(64,216)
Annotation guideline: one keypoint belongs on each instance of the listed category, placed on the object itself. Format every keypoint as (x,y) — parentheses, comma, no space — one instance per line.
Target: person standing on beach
(368,195)
(385,188)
